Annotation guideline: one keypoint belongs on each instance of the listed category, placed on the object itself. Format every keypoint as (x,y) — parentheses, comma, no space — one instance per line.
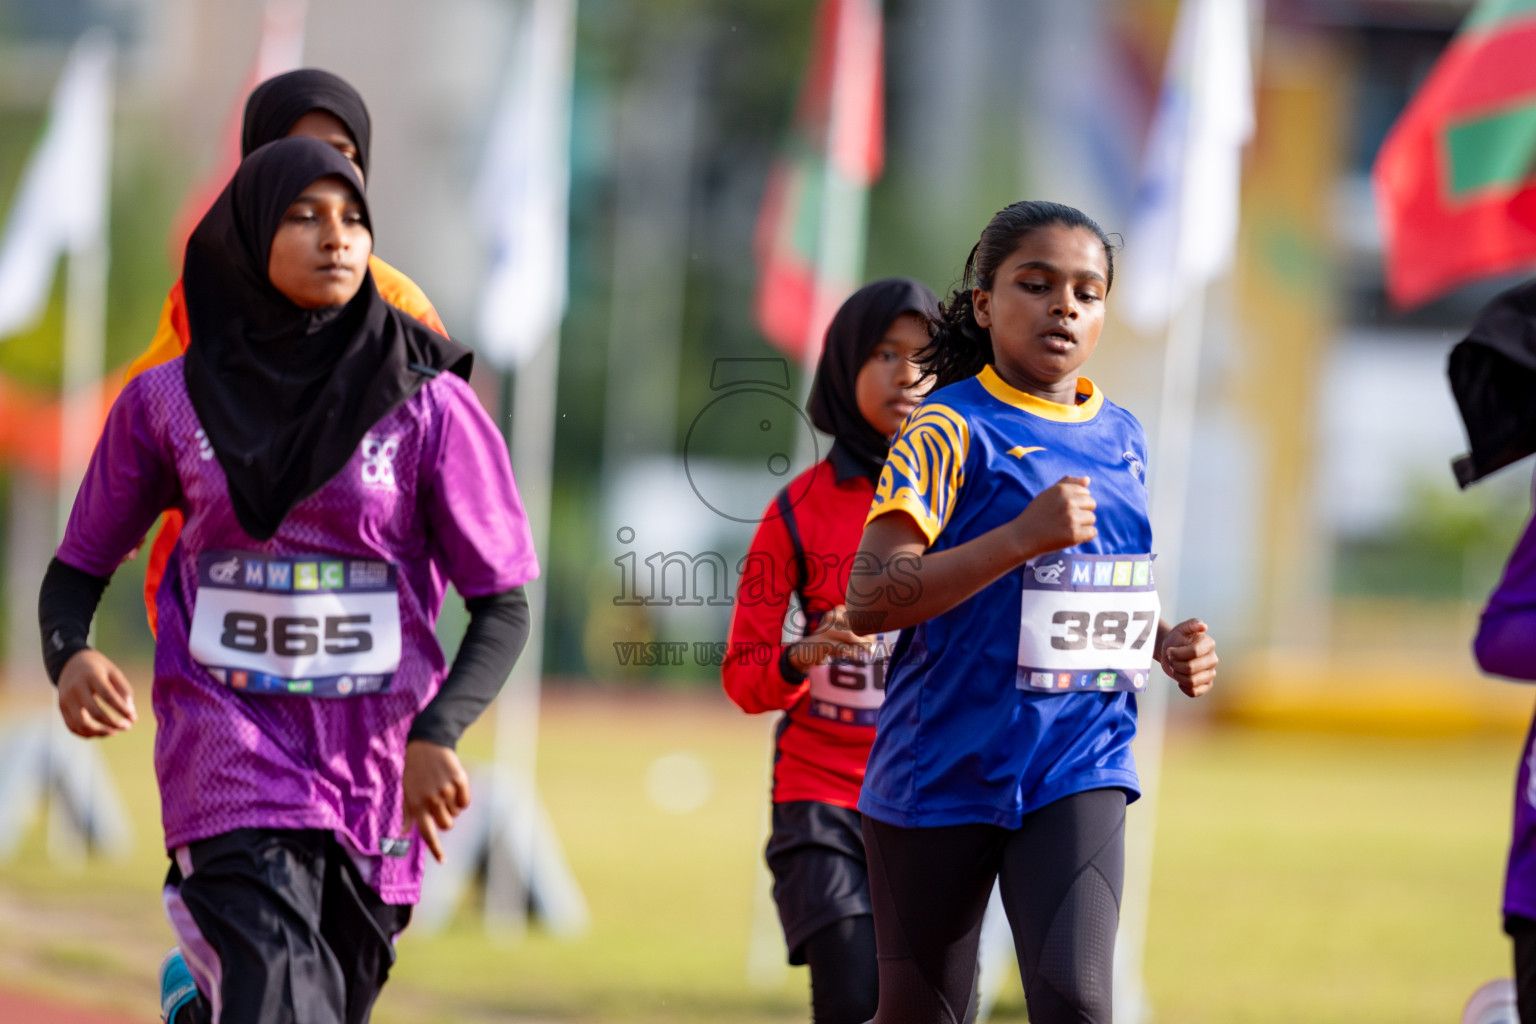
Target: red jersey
(821,744)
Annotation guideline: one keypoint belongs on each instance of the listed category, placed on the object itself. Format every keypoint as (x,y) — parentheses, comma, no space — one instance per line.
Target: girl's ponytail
(960,346)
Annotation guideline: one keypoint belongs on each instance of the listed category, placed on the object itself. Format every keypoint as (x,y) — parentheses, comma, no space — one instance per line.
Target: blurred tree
(1447,545)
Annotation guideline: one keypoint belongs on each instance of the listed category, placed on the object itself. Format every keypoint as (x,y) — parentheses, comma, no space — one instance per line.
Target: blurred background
(1333,819)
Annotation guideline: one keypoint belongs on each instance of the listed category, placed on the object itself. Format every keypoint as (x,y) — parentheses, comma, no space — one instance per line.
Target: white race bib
(317,626)
(1087,622)
(851,692)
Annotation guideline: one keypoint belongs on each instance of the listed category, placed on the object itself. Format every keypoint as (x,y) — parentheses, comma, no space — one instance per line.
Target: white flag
(61,204)
(1184,224)
(523,192)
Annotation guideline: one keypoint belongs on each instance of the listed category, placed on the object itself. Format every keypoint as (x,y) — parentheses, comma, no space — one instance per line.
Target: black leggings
(1060,874)
(844,985)
(1523,931)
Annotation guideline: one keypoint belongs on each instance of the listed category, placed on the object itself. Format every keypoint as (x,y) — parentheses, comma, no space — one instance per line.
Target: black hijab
(286,394)
(276,105)
(1493,376)
(853,334)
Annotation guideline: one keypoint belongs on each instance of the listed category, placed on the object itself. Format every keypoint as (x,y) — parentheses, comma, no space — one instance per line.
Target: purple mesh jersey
(1506,646)
(1520,876)
(288,672)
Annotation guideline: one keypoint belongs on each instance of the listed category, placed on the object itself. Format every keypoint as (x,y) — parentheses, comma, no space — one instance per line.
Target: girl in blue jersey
(1009,541)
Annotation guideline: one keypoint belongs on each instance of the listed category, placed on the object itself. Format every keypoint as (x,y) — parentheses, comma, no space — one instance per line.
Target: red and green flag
(1456,177)
(810,229)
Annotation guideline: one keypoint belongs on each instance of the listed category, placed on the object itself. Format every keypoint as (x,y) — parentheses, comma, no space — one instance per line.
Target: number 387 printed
(1106,631)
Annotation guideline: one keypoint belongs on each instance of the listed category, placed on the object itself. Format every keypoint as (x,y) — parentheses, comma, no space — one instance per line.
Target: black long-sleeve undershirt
(66,604)
(498,630)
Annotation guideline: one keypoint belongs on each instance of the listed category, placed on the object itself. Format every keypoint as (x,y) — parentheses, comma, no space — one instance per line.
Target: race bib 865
(1088,622)
(312,625)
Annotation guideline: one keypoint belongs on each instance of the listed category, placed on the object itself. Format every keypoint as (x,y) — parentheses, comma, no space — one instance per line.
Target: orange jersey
(171,338)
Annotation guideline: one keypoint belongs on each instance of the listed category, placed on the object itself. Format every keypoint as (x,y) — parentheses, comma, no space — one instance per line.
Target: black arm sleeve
(65,606)
(793,676)
(498,629)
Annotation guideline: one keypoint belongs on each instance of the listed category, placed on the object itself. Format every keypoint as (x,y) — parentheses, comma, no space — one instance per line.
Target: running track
(21,1009)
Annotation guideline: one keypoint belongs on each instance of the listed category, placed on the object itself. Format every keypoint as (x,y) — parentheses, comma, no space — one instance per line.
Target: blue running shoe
(177,988)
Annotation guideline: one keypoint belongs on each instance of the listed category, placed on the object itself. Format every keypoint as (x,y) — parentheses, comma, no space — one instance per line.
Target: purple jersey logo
(379,461)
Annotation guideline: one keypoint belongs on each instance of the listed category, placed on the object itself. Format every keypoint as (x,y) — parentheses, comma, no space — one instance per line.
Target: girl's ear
(981,307)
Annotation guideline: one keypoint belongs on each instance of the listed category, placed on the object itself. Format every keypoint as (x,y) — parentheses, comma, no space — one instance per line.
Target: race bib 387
(313,625)
(1088,622)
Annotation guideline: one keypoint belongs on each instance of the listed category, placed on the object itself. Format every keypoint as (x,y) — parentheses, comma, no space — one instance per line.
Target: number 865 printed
(296,636)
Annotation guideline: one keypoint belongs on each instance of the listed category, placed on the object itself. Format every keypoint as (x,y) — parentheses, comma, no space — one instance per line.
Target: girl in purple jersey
(1493,376)
(334,479)
(1506,646)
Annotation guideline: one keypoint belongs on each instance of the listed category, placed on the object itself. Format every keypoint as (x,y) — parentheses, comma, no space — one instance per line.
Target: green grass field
(1298,878)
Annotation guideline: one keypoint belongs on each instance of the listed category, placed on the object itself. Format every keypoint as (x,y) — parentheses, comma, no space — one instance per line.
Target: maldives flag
(810,229)
(1455,182)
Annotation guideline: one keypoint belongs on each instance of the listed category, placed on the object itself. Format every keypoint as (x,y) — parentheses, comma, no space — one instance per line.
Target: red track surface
(20,1009)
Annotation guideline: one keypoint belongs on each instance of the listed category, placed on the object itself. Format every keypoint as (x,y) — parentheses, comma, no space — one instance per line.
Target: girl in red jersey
(829,683)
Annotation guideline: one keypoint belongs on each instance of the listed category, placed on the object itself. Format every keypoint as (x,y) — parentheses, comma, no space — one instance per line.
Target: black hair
(961,346)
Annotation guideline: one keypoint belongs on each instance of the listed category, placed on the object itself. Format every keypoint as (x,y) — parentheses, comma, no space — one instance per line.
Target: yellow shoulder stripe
(925,469)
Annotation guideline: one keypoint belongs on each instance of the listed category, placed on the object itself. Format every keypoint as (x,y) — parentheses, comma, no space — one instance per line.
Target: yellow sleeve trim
(929,459)
(905,501)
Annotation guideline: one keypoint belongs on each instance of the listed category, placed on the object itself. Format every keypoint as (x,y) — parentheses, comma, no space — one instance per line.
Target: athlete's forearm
(757,670)
(498,630)
(908,586)
(759,677)
(66,604)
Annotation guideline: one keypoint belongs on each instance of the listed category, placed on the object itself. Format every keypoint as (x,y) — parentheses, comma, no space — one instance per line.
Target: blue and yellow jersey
(961,737)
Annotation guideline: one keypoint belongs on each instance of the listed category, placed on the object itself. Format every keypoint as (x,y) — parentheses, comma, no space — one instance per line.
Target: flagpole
(1192,185)
(83,364)
(540,115)
(532,446)
(85,283)
(1170,492)
(85,294)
